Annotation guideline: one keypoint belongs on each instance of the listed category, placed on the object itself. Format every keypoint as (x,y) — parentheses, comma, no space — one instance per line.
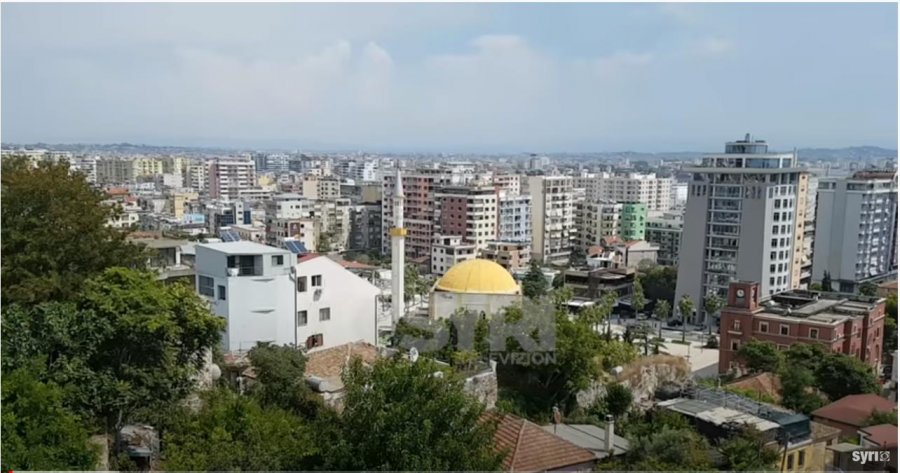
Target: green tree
(806,355)
(662,310)
(665,449)
(881,417)
(637,297)
(129,341)
(826,282)
(281,379)
(54,234)
(747,451)
(612,353)
(815,286)
(659,283)
(759,356)
(890,306)
(562,296)
(400,416)
(868,288)
(39,433)
(712,304)
(618,399)
(534,284)
(840,375)
(413,283)
(685,307)
(235,433)
(559,281)
(798,390)
(323,243)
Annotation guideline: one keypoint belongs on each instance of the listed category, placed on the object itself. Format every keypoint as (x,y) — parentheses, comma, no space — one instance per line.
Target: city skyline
(456,78)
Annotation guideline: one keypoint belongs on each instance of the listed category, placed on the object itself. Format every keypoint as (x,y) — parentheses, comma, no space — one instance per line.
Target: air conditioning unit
(318,292)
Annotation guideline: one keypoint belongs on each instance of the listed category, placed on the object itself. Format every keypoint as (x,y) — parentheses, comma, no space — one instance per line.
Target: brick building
(852,325)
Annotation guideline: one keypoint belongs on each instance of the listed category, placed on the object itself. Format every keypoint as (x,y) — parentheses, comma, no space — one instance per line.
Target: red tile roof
(330,363)
(763,383)
(530,448)
(884,435)
(307,257)
(854,409)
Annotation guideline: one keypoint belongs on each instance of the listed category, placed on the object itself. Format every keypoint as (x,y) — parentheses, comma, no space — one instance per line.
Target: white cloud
(714,46)
(620,62)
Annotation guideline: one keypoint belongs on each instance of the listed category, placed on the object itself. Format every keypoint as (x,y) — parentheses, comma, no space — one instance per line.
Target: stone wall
(484,387)
(643,376)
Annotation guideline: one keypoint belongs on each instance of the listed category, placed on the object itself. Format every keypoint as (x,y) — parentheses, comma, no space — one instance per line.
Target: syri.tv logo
(871,456)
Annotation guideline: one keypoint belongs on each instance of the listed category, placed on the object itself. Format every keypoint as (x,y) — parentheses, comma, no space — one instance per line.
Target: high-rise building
(653,191)
(856,229)
(196,176)
(552,217)
(594,221)
(634,221)
(664,229)
(468,212)
(228,176)
(514,221)
(511,183)
(419,207)
(809,231)
(740,222)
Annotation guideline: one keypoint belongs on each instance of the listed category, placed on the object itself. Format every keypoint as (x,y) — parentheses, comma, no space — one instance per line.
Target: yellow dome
(478,276)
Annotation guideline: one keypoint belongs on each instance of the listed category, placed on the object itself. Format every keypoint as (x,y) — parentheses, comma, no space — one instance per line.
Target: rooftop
(478,276)
(528,447)
(823,307)
(854,409)
(884,435)
(242,248)
(588,436)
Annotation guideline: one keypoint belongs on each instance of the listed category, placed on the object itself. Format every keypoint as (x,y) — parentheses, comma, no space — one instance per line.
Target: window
(324,314)
(314,341)
(737,325)
(813,333)
(317,281)
(785,330)
(735,345)
(801,457)
(764,327)
(205,286)
(790,462)
(302,318)
(221,293)
(277,260)
(301,284)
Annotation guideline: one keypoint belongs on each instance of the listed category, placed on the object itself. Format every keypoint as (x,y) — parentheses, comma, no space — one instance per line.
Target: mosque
(476,285)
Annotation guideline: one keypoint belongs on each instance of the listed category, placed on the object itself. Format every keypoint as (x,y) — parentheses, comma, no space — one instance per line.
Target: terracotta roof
(329,363)
(595,250)
(530,448)
(888,285)
(854,409)
(763,383)
(884,435)
(307,257)
(355,265)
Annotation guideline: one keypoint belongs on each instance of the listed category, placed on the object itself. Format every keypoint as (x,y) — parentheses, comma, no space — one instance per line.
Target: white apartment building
(510,183)
(552,217)
(679,194)
(664,230)
(514,220)
(740,222)
(596,220)
(333,305)
(115,170)
(470,212)
(446,251)
(655,192)
(249,285)
(856,229)
(196,176)
(227,176)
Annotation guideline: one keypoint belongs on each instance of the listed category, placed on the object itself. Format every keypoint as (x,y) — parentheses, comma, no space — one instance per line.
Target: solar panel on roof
(229,235)
(296,247)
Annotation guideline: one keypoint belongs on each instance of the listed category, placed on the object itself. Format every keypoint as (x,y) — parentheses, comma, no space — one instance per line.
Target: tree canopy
(534,284)
(759,356)
(748,450)
(54,234)
(127,341)
(401,416)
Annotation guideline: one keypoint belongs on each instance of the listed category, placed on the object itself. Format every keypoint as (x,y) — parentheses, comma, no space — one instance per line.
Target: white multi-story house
(856,229)
(649,189)
(664,229)
(740,223)
(229,176)
(552,217)
(470,212)
(596,220)
(446,251)
(249,285)
(514,220)
(333,305)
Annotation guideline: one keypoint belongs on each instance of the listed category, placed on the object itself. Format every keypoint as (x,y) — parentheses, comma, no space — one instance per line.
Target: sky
(451,77)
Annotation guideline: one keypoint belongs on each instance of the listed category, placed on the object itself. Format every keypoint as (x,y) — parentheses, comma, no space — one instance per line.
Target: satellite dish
(413,354)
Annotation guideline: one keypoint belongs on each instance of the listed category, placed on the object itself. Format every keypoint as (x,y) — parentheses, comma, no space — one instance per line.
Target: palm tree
(661,311)
(685,306)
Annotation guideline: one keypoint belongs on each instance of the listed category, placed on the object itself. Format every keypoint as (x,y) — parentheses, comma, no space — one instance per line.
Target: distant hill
(862,153)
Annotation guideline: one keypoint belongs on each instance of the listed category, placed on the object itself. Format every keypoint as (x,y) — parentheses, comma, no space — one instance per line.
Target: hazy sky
(463,77)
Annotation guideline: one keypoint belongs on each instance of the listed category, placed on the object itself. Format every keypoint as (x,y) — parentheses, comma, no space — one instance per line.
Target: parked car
(674,323)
